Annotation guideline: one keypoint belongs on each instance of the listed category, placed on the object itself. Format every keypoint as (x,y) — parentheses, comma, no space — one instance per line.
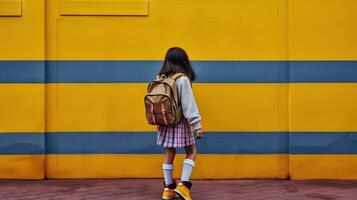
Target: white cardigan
(188,103)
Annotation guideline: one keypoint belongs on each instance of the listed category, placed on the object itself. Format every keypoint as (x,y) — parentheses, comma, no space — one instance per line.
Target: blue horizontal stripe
(323,143)
(22,71)
(145,71)
(213,143)
(145,143)
(207,71)
(22,143)
(322,71)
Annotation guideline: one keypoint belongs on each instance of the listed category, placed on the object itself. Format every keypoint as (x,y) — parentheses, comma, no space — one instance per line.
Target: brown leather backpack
(162,101)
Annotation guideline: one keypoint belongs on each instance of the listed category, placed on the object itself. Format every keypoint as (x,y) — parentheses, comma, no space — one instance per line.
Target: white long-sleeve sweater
(188,103)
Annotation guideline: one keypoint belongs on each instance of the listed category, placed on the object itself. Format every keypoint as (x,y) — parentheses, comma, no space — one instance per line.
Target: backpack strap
(177,75)
(174,77)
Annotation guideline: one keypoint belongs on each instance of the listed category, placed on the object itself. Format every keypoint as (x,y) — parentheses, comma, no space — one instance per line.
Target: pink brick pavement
(136,189)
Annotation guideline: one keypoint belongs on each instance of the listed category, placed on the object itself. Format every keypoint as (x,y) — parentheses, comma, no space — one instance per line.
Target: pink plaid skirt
(179,135)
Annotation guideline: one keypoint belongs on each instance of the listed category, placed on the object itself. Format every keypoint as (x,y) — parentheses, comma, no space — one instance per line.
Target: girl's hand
(199,134)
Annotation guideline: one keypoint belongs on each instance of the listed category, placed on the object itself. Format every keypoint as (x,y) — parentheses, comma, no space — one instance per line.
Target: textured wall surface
(276,87)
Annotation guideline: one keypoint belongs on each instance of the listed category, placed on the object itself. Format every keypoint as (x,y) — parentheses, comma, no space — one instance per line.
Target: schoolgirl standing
(180,134)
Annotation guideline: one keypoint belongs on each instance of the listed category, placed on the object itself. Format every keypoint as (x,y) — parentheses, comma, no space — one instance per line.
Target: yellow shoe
(169,191)
(183,190)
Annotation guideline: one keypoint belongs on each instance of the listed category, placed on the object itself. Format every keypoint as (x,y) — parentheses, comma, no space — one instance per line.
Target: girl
(180,135)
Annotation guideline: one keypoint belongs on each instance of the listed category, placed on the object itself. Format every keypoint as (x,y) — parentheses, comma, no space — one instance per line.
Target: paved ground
(136,189)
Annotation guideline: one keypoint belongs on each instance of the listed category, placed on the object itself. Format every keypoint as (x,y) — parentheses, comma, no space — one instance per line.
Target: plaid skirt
(178,135)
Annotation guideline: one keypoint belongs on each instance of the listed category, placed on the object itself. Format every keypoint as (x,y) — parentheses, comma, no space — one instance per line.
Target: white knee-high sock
(188,166)
(168,168)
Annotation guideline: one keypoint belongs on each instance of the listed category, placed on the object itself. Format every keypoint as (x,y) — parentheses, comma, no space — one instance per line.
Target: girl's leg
(169,155)
(168,166)
(191,152)
(189,162)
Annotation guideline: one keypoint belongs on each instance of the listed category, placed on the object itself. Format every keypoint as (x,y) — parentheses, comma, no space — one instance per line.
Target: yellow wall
(323,30)
(22,37)
(208,30)
(62,105)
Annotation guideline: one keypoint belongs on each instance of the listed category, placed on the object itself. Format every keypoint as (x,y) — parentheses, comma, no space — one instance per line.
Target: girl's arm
(188,103)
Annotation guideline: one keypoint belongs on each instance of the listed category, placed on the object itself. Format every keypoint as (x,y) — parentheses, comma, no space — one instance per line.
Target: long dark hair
(176,60)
